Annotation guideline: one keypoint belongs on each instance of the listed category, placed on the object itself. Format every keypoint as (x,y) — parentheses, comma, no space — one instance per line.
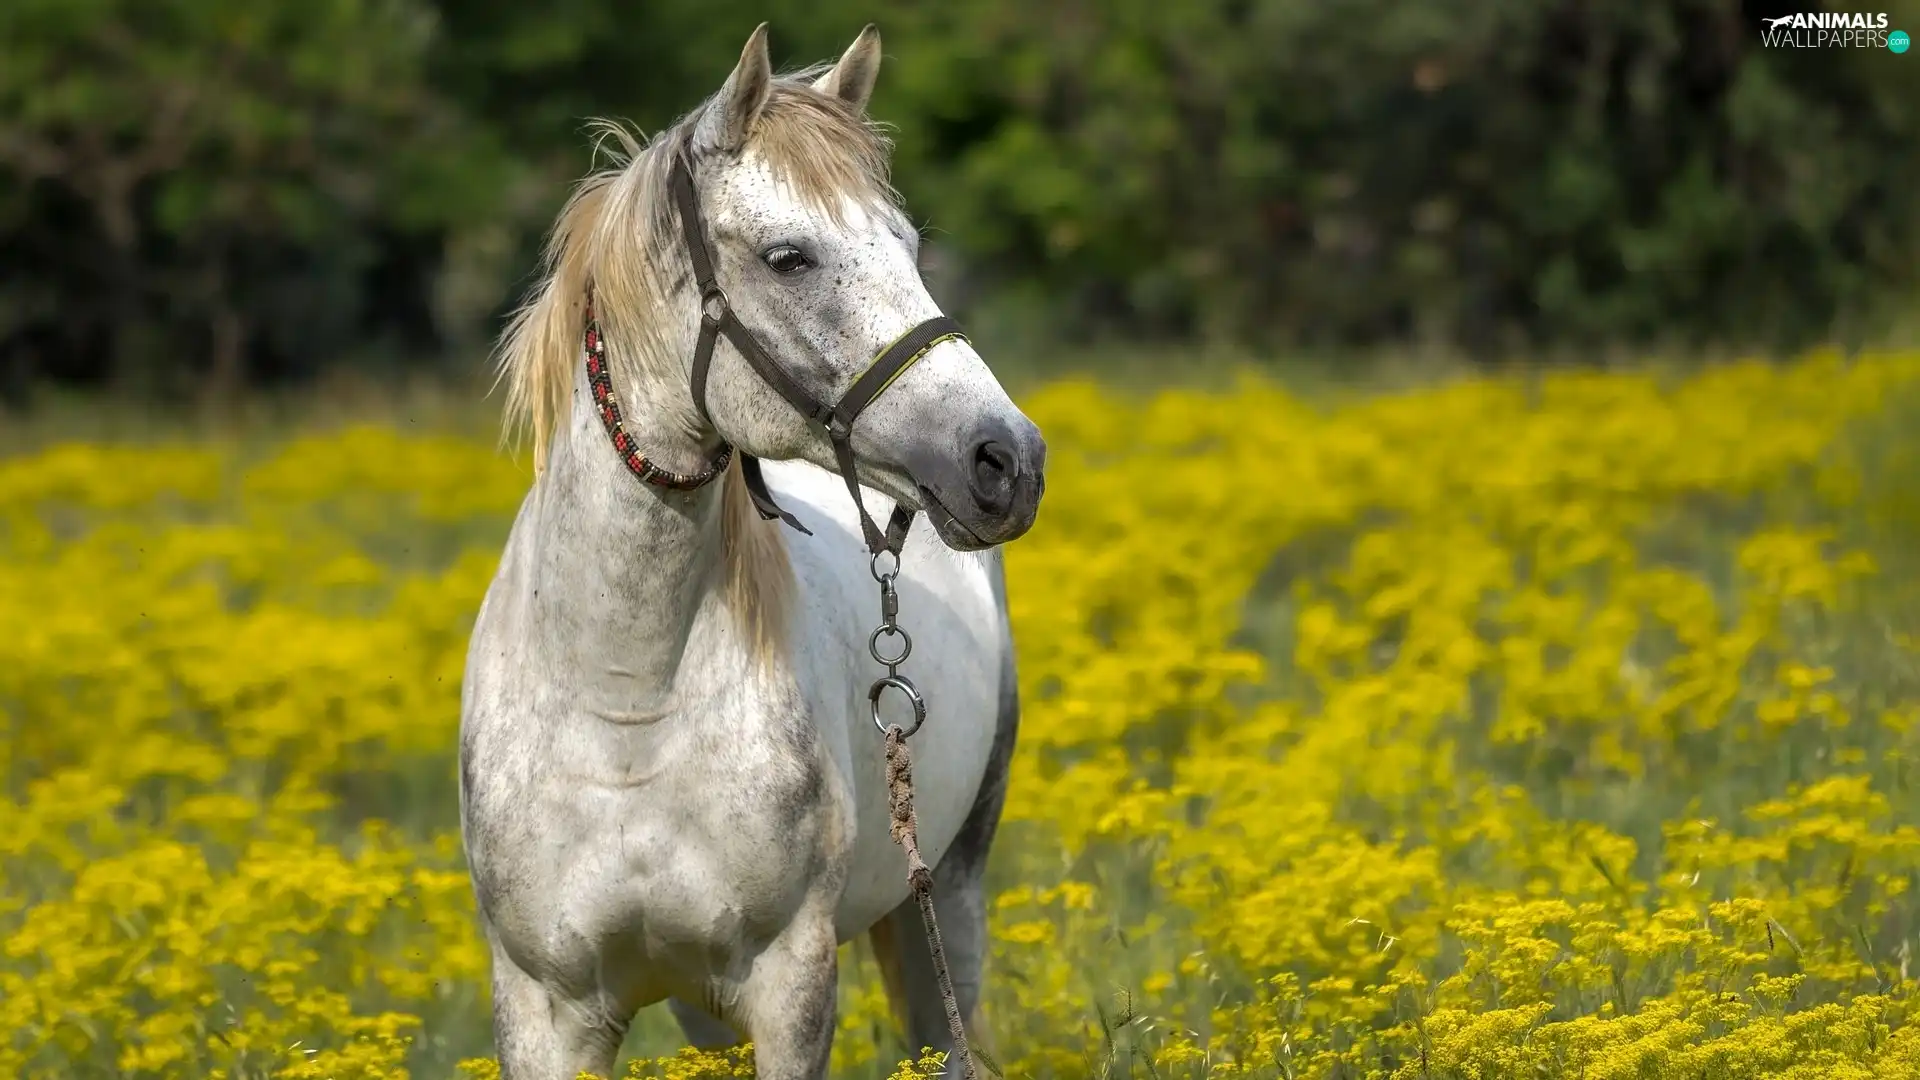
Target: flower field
(1552,726)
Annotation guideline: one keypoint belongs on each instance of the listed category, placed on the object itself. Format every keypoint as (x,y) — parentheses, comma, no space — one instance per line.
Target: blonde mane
(617,234)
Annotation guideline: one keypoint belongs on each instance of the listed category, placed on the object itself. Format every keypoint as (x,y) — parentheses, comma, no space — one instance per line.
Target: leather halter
(835,421)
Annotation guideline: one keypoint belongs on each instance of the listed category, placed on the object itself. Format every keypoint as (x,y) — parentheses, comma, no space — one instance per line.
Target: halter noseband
(834,421)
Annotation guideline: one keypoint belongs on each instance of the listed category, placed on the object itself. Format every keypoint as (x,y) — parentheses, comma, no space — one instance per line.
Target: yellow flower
(1550,726)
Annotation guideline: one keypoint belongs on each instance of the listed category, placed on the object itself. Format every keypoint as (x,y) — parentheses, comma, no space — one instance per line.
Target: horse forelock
(618,235)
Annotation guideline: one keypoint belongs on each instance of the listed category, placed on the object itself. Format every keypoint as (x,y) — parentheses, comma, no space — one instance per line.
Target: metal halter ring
(900,683)
(873,566)
(906,646)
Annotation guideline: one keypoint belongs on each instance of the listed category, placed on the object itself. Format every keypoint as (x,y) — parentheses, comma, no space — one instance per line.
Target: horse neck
(622,569)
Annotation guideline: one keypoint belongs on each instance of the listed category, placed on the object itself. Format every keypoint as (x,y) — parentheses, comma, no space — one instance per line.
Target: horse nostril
(994,467)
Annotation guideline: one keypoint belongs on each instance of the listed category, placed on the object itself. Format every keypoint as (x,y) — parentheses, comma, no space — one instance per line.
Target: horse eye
(787,259)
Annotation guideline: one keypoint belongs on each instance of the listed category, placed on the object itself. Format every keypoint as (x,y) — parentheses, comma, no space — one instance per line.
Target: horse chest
(747,807)
(735,806)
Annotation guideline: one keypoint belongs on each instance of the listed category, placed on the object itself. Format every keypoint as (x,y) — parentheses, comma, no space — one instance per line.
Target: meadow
(1536,725)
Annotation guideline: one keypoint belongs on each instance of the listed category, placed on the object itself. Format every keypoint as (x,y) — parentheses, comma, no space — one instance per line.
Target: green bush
(1476,173)
(187,183)
(265,185)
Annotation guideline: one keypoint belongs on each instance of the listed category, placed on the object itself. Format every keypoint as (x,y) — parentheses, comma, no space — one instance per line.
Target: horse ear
(851,80)
(731,116)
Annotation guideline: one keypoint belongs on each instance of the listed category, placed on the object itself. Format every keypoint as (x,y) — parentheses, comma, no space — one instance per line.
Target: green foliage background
(199,192)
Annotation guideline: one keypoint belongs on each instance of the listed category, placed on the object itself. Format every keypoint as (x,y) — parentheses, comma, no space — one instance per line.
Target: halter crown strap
(835,421)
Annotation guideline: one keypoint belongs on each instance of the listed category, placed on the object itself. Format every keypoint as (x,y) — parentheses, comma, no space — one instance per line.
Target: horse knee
(789,1001)
(543,1035)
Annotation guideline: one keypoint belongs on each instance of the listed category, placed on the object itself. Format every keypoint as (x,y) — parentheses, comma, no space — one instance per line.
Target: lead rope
(900,793)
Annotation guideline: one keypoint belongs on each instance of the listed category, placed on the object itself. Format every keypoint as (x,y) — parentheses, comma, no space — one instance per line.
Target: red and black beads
(609,406)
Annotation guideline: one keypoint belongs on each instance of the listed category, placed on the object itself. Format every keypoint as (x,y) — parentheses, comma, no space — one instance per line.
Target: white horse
(671,783)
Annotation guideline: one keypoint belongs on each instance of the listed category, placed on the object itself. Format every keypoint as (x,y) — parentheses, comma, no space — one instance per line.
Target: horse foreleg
(541,1034)
(788,999)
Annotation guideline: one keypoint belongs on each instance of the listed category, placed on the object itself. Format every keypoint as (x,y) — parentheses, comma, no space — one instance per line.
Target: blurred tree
(224,187)
(191,184)
(1492,174)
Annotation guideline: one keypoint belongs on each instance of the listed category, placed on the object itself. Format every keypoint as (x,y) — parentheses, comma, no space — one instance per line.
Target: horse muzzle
(989,491)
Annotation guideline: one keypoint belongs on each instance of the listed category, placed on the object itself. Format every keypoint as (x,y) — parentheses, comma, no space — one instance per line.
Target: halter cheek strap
(834,421)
